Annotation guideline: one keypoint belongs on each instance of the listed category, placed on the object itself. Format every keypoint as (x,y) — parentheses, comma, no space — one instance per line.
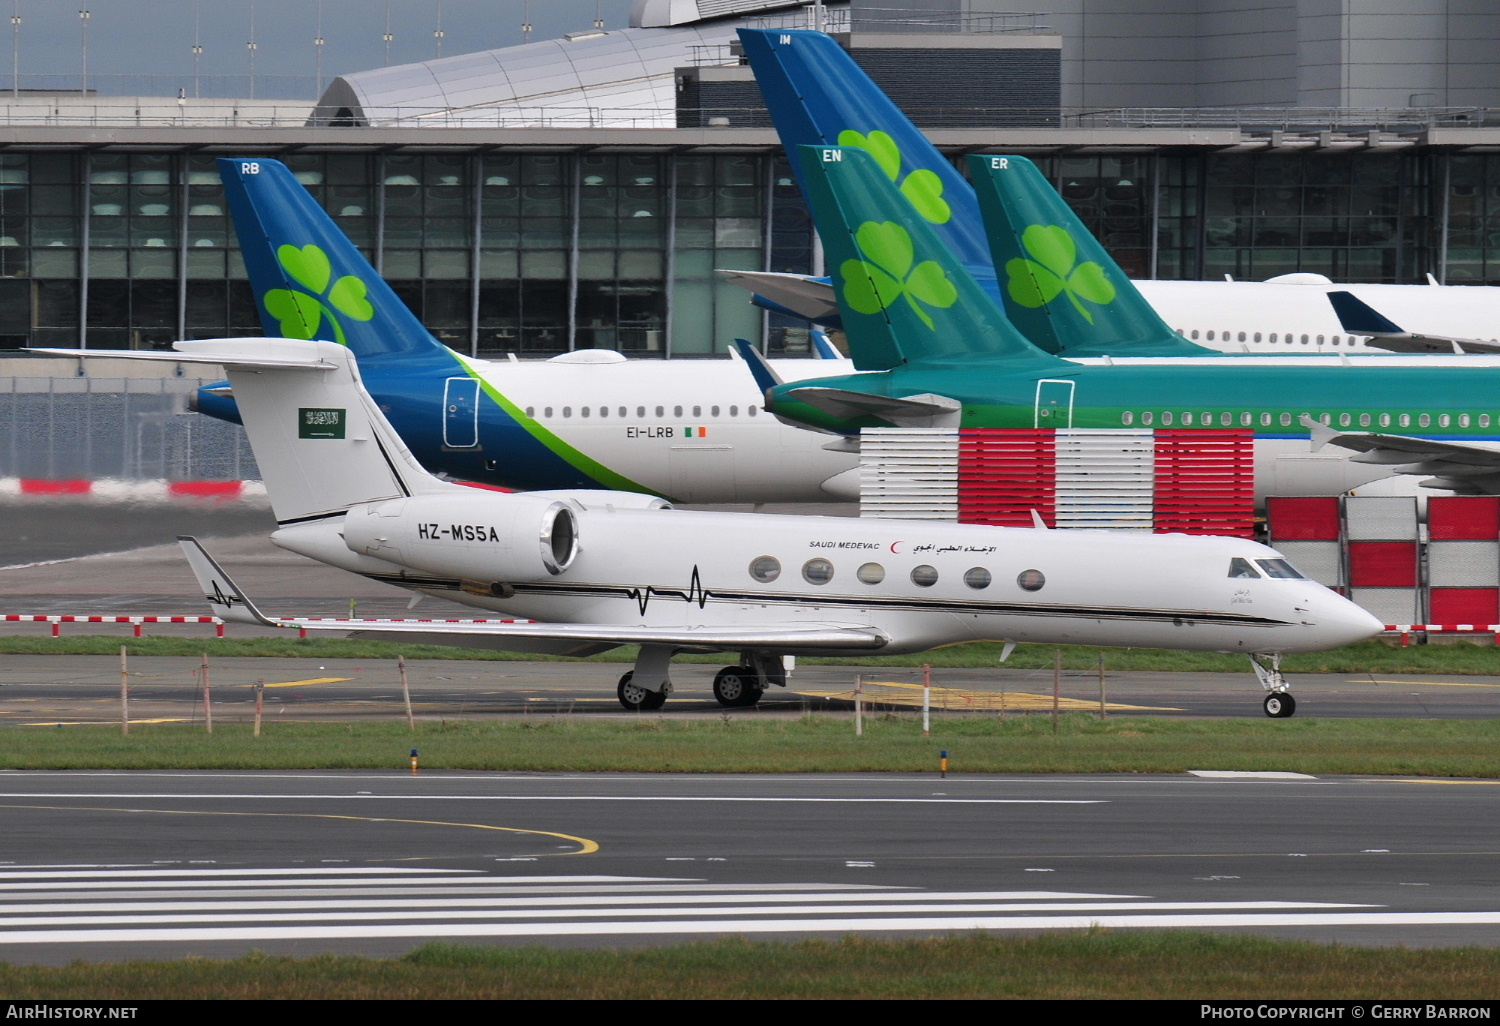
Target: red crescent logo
(893,545)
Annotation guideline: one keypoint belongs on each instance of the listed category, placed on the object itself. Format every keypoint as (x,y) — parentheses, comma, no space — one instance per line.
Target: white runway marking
(272,904)
(126,796)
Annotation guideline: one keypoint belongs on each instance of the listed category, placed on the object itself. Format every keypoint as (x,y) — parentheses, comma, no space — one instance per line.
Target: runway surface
(113,866)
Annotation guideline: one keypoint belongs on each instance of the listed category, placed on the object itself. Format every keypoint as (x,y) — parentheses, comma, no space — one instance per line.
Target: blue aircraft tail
(309,279)
(818,96)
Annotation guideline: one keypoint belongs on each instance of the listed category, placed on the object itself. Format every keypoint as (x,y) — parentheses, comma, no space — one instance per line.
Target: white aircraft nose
(1341,622)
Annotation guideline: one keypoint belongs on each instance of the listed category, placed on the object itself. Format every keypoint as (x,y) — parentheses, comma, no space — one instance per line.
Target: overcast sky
(153,39)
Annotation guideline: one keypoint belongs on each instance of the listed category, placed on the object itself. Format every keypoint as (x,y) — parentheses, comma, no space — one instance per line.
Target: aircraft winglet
(765,378)
(224,596)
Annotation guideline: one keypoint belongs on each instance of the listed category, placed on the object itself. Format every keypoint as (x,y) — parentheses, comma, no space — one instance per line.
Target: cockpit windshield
(1280,568)
(1241,568)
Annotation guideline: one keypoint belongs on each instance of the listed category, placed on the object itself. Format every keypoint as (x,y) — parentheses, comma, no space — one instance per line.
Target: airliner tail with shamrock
(937,351)
(688,430)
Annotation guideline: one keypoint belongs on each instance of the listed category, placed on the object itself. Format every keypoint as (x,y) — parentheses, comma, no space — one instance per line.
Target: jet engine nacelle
(487,541)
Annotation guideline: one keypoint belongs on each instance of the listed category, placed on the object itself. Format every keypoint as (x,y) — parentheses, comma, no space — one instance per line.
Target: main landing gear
(737,687)
(1279,703)
(639,699)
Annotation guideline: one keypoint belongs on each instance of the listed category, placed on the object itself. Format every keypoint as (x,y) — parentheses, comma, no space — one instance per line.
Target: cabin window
(1281,569)
(531,413)
(1242,336)
(1286,420)
(1405,420)
(713,411)
(1443,420)
(765,569)
(567,411)
(1031,580)
(752,410)
(625,411)
(697,412)
(1484,420)
(1257,336)
(640,411)
(677,412)
(547,412)
(924,576)
(1127,418)
(1385,420)
(1241,568)
(1166,418)
(583,412)
(870,573)
(1195,332)
(1226,419)
(1265,420)
(977,578)
(1246,419)
(1463,420)
(817,571)
(1364,420)
(1320,340)
(1304,340)
(1273,336)
(1147,418)
(734,411)
(1210,335)
(1187,419)
(1423,420)
(1343,420)
(604,411)
(661,411)
(1326,418)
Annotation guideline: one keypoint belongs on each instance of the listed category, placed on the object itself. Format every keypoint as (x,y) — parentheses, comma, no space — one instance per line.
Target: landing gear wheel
(1279,705)
(639,699)
(735,686)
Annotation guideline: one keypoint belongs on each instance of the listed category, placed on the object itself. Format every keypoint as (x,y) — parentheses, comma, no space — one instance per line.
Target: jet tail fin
(224,597)
(818,96)
(1060,287)
(310,281)
(1360,318)
(903,296)
(320,441)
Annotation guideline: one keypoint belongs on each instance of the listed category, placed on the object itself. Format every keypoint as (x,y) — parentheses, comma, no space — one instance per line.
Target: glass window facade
(501,251)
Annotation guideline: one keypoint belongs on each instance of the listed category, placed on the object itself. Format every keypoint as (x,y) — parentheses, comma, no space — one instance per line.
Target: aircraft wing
(230,603)
(912,411)
(804,296)
(1459,466)
(1359,318)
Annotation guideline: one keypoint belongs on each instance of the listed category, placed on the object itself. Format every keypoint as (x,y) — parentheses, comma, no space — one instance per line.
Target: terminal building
(581,192)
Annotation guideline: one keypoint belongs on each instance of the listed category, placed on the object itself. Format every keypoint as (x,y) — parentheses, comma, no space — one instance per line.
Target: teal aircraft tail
(309,280)
(903,296)
(1061,288)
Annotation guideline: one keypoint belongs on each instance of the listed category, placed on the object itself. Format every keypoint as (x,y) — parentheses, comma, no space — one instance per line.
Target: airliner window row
(640,411)
(1288,339)
(766,569)
(1188,418)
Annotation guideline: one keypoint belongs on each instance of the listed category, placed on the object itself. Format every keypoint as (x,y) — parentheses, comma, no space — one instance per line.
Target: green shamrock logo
(301,313)
(873,284)
(924,189)
(1038,281)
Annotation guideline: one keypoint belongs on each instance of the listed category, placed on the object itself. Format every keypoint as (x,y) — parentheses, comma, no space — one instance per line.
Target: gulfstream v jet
(591,570)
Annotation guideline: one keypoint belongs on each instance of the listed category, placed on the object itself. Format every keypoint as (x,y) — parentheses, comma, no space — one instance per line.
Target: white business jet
(592,570)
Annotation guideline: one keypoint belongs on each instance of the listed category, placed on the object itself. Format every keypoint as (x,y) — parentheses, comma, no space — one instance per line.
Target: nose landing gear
(1279,703)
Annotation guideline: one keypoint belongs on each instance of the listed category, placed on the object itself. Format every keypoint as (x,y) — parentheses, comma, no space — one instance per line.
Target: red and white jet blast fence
(1372,549)
(1193,482)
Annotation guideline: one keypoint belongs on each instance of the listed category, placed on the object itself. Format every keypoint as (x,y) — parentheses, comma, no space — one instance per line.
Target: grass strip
(1367,657)
(748,743)
(1092,964)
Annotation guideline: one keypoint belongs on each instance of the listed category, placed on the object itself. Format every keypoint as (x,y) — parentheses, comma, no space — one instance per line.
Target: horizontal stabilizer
(912,411)
(242,352)
(808,297)
(765,377)
(1359,318)
(223,595)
